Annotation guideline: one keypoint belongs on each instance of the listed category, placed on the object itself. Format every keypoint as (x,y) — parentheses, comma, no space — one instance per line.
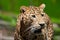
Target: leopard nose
(42,25)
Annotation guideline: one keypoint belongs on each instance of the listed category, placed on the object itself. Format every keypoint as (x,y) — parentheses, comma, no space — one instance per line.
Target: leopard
(33,24)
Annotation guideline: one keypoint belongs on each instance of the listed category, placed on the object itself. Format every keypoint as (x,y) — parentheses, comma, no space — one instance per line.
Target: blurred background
(9,10)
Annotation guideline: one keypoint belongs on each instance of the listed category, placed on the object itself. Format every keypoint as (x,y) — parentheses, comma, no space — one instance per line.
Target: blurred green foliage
(9,19)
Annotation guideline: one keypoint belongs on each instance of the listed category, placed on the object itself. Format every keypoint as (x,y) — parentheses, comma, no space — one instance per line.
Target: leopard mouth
(37,31)
(31,33)
(33,30)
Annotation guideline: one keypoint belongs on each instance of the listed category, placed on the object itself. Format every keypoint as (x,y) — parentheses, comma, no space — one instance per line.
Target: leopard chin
(32,36)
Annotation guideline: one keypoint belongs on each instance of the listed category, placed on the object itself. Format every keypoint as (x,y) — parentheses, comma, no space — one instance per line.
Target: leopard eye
(33,16)
(42,14)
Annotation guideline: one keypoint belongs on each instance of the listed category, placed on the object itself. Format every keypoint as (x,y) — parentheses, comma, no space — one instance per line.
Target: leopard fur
(30,20)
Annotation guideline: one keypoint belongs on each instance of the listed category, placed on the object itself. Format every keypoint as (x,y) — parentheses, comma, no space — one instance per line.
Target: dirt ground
(6,33)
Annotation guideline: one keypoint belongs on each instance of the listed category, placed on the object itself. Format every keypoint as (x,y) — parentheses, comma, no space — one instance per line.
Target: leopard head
(33,20)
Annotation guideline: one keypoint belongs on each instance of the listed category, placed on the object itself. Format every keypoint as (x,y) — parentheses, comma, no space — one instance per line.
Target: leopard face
(32,22)
(34,19)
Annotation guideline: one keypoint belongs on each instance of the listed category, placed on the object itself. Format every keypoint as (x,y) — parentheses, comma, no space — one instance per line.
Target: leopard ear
(42,6)
(23,9)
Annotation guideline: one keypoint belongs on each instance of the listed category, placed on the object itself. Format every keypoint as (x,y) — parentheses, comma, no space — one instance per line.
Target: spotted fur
(29,20)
